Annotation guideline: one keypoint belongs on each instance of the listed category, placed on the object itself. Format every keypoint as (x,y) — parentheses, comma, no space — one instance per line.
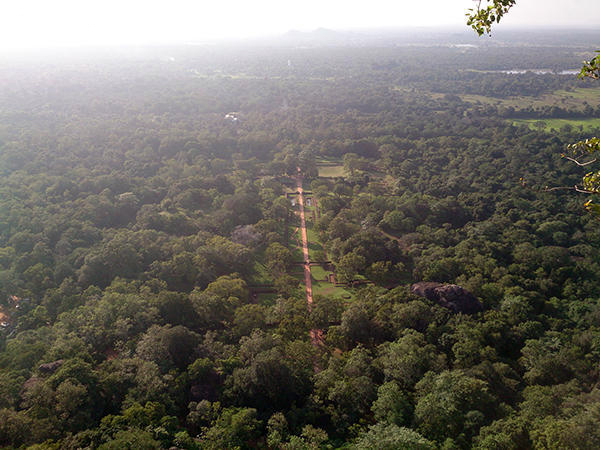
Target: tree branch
(580,163)
(567,188)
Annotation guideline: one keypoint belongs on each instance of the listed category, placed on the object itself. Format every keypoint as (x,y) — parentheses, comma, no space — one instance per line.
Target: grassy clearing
(557,124)
(295,245)
(260,274)
(329,290)
(581,93)
(314,243)
(325,288)
(319,273)
(327,160)
(565,99)
(331,171)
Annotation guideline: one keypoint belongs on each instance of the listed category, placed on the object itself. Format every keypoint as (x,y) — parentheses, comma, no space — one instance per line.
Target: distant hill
(324,36)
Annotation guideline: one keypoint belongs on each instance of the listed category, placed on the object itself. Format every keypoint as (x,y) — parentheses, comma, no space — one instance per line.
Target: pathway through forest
(316,336)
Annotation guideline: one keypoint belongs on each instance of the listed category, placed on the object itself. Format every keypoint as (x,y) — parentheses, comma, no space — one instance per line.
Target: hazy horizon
(37,24)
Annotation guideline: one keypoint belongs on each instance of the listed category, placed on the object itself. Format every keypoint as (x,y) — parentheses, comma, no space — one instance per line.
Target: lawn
(296,250)
(327,160)
(586,94)
(318,273)
(565,99)
(331,171)
(260,274)
(328,289)
(557,124)
(314,243)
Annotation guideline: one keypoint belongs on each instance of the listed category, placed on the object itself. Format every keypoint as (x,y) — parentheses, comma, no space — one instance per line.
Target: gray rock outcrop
(51,367)
(450,296)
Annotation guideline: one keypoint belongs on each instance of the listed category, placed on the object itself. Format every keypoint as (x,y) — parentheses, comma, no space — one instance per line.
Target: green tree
(286,285)
(356,326)
(169,347)
(351,163)
(452,405)
(346,388)
(406,360)
(132,439)
(326,311)
(349,265)
(277,429)
(392,405)
(234,428)
(311,438)
(248,318)
(392,437)
(279,259)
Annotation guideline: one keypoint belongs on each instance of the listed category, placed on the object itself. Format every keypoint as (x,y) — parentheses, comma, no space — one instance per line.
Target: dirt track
(316,336)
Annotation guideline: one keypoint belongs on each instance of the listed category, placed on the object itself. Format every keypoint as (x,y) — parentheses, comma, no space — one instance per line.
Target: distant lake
(537,71)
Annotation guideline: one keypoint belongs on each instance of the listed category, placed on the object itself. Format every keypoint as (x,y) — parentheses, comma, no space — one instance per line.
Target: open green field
(330,167)
(557,124)
(296,244)
(260,274)
(331,171)
(322,287)
(319,273)
(325,159)
(330,290)
(314,241)
(565,99)
(314,245)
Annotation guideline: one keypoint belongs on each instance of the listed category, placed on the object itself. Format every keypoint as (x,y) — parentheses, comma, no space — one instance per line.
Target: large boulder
(450,296)
(51,367)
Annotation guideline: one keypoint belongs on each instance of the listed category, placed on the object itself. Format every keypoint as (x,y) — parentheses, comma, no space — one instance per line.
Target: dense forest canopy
(152,280)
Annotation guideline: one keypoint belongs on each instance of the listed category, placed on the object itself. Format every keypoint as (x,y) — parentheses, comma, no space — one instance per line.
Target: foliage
(388,437)
(481,19)
(150,290)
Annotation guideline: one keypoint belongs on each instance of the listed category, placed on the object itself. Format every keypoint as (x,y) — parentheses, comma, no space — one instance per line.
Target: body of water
(538,71)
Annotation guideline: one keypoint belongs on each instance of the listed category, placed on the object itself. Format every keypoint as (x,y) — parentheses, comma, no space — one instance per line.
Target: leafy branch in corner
(484,16)
(591,69)
(591,180)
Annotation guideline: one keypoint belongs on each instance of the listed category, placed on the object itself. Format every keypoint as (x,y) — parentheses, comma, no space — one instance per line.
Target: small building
(232,117)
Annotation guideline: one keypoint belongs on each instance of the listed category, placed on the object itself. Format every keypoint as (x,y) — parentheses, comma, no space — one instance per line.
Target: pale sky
(43,23)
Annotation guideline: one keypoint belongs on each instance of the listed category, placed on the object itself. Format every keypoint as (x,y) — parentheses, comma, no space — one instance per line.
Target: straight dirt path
(316,336)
